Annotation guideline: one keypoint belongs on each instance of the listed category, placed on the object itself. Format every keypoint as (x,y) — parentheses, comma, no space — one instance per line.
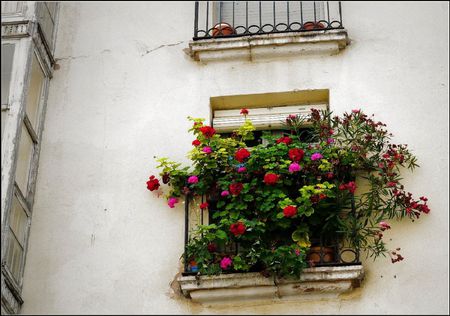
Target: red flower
(153,183)
(204,205)
(237,228)
(424,208)
(207,131)
(241,154)
(322,196)
(285,139)
(289,211)
(196,143)
(244,111)
(212,247)
(296,154)
(236,188)
(270,178)
(351,187)
(391,184)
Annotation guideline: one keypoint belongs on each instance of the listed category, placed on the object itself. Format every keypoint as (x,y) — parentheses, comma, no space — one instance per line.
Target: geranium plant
(271,200)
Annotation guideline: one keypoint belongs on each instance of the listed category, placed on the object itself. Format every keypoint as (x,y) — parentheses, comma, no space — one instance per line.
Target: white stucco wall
(102,243)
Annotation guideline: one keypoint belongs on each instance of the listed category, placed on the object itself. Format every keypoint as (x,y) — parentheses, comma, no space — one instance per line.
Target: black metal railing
(339,250)
(221,19)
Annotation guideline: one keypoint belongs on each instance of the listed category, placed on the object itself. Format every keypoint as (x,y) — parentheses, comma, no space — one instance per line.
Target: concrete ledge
(314,283)
(269,45)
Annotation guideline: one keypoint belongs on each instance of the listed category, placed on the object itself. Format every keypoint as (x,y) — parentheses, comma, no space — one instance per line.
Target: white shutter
(262,118)
(226,8)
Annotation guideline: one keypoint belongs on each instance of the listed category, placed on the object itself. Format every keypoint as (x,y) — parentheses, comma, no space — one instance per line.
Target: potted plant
(272,202)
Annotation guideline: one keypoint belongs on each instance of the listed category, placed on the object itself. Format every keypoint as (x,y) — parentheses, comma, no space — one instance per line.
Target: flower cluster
(278,197)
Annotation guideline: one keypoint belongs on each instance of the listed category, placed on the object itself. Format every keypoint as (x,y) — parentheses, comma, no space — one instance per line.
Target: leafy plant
(269,202)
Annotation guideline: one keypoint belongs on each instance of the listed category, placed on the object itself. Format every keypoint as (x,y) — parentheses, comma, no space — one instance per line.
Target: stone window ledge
(269,45)
(314,283)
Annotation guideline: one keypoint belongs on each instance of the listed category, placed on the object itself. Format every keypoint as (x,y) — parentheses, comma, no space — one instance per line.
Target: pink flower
(356,111)
(384,225)
(207,150)
(316,156)
(297,252)
(171,202)
(193,179)
(241,169)
(330,141)
(294,167)
(225,263)
(225,193)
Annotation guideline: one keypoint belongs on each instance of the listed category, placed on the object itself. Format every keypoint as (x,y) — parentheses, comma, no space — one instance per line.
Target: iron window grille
(222,19)
(339,250)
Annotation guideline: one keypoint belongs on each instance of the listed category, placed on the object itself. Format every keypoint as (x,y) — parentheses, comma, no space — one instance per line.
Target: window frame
(27,48)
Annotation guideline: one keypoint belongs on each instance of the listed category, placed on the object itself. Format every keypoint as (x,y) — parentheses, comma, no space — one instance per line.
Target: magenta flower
(330,141)
(225,193)
(297,252)
(294,167)
(225,263)
(193,179)
(316,156)
(171,202)
(241,169)
(207,150)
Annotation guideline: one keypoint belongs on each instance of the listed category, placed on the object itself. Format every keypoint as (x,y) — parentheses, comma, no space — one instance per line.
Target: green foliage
(257,216)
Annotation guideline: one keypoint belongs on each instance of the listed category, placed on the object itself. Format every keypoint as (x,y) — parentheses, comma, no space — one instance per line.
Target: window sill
(314,283)
(256,47)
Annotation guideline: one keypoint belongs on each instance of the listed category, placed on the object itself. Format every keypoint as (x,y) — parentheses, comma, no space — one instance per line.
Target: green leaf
(221,234)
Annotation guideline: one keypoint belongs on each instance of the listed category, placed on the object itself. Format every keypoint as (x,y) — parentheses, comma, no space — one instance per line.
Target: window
(7,63)
(26,71)
(11,7)
(237,18)
(19,217)
(46,15)
(283,15)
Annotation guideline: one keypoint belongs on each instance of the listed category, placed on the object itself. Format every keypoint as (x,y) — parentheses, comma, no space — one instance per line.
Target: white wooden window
(18,227)
(26,161)
(268,118)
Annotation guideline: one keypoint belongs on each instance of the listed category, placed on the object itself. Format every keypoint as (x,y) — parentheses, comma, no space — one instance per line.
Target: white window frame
(26,47)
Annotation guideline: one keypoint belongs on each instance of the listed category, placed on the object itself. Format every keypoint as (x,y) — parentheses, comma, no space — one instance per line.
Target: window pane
(18,220)
(11,7)
(7,60)
(23,160)
(34,92)
(46,22)
(14,256)
(267,15)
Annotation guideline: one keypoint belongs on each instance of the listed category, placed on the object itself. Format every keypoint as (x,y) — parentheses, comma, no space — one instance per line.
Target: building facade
(92,91)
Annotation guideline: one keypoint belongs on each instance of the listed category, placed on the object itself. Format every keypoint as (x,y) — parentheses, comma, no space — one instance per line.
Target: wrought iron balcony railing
(222,19)
(335,250)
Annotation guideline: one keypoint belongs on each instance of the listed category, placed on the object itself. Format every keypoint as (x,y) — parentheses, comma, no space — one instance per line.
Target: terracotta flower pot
(311,26)
(222,29)
(314,254)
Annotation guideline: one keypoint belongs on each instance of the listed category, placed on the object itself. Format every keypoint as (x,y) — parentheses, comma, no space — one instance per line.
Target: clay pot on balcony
(311,26)
(314,254)
(222,29)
